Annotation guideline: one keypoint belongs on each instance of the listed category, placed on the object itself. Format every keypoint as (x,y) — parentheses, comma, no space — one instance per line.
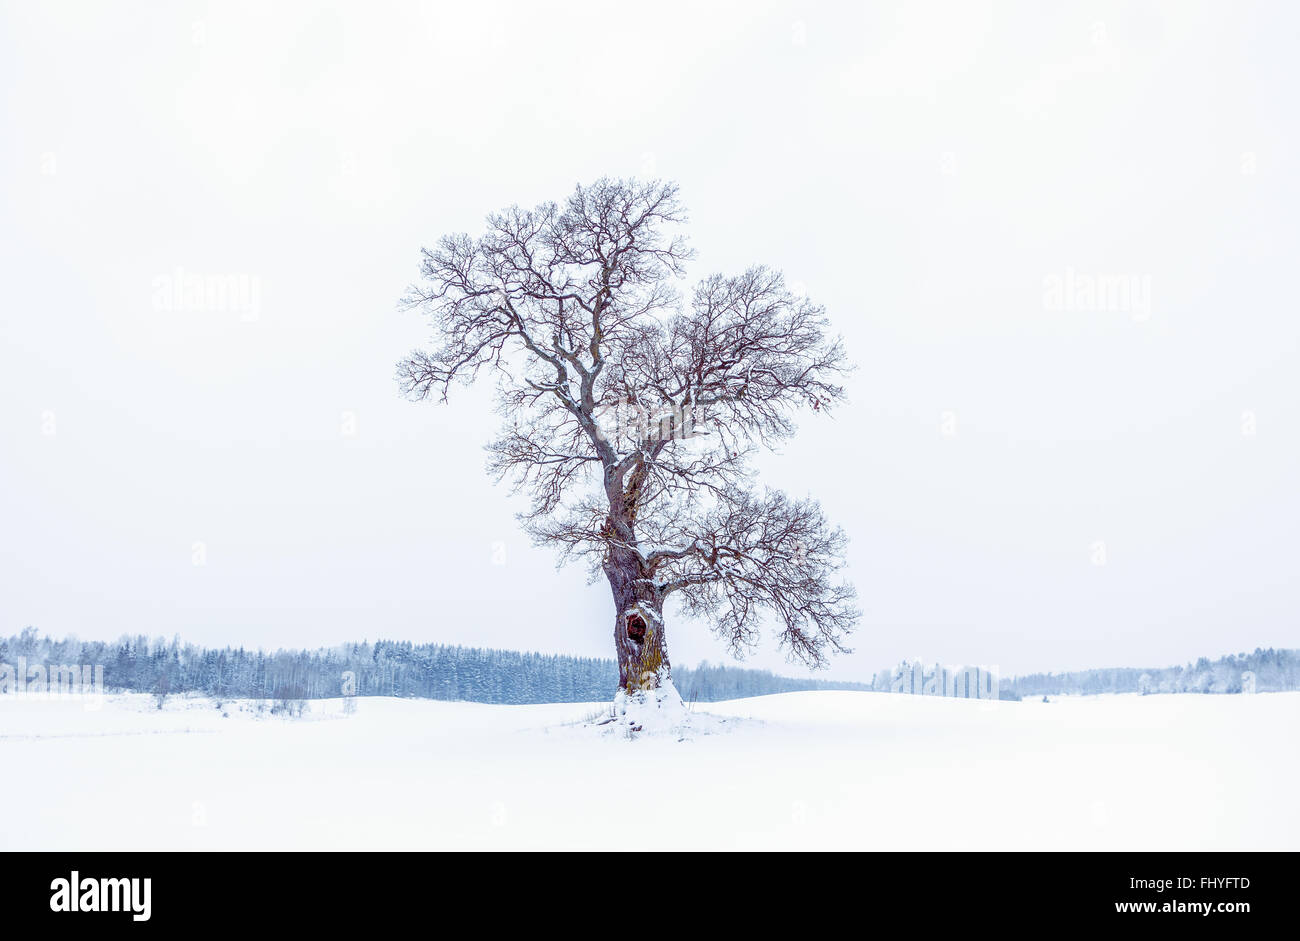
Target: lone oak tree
(631,415)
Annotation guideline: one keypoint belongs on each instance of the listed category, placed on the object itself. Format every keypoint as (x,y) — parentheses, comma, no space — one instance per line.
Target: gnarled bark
(638,624)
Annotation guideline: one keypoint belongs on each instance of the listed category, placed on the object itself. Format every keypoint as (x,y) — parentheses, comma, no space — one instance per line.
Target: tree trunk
(638,625)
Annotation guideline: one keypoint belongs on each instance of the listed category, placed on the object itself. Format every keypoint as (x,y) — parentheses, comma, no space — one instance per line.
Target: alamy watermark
(187,292)
(1098,293)
(624,417)
(936,679)
(52,681)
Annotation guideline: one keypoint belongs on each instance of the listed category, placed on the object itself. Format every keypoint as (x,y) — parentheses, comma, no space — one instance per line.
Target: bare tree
(161,689)
(632,412)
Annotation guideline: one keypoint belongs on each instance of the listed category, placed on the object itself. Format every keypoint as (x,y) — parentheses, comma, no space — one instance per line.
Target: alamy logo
(961,682)
(38,679)
(187,292)
(623,418)
(1079,291)
(102,895)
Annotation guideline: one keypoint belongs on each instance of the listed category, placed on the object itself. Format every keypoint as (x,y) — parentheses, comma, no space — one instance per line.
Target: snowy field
(818,770)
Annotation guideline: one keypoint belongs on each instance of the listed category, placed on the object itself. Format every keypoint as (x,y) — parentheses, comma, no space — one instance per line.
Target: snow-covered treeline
(384,668)
(1274,670)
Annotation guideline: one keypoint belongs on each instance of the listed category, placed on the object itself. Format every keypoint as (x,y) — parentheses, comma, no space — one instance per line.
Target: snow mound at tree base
(658,713)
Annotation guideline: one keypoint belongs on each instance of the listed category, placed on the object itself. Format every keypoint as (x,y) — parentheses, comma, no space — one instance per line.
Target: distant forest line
(1276,670)
(471,674)
(383,668)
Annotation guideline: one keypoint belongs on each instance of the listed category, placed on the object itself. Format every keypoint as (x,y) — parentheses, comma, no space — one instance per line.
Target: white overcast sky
(930,172)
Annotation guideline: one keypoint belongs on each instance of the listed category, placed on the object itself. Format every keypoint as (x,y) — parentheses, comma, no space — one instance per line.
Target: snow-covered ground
(840,770)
